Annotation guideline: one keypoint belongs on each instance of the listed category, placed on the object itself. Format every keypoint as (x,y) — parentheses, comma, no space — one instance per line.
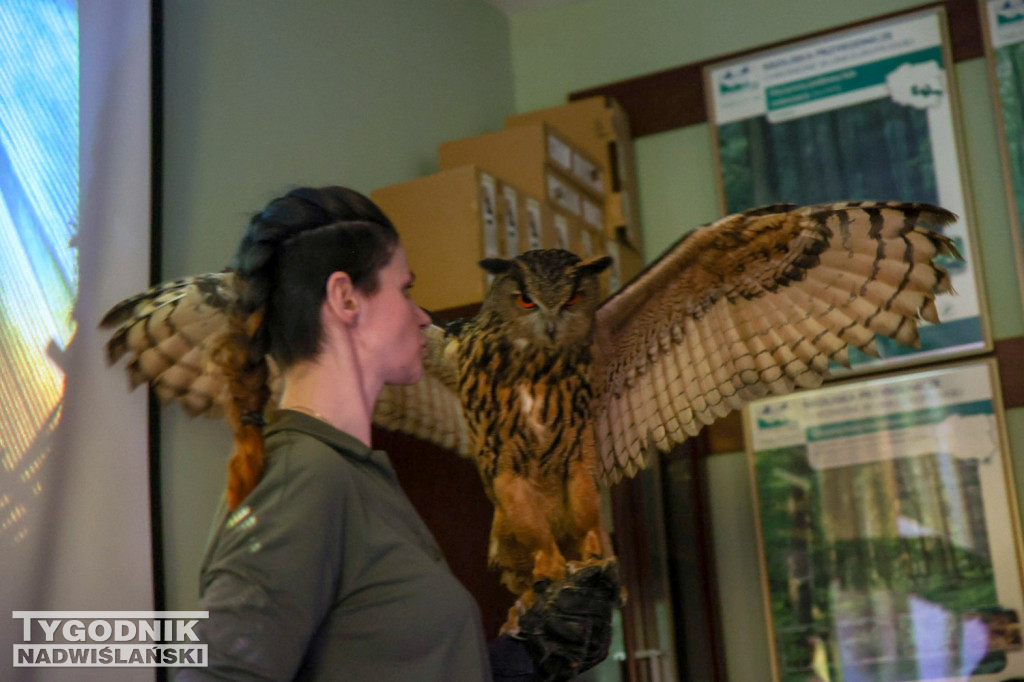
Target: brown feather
(760,302)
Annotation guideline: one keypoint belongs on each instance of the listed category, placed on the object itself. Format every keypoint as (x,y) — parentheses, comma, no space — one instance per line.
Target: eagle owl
(554,391)
(523,368)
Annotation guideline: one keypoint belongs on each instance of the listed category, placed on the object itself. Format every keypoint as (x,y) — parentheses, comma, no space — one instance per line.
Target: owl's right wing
(430,408)
(757,302)
(166,331)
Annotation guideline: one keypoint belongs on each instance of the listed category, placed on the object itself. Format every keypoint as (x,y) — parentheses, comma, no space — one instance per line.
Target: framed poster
(861,114)
(1003,22)
(889,531)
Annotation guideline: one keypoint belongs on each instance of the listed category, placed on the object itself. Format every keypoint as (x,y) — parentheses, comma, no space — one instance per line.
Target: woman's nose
(425,320)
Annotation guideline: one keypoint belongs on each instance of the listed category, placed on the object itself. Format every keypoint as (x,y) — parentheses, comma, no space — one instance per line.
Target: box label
(562,232)
(511,220)
(560,153)
(587,173)
(533,224)
(563,195)
(593,214)
(489,215)
(615,271)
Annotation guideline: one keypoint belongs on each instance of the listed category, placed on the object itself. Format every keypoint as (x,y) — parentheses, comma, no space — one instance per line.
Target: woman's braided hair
(281,269)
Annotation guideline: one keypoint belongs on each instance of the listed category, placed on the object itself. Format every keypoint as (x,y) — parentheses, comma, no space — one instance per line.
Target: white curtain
(74,505)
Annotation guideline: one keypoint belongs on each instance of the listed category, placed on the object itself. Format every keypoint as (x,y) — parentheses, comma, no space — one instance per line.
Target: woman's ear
(340,297)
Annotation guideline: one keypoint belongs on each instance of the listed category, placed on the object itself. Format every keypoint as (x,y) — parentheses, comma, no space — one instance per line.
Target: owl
(554,391)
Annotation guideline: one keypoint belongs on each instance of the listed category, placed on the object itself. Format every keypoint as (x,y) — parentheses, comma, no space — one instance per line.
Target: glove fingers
(568,629)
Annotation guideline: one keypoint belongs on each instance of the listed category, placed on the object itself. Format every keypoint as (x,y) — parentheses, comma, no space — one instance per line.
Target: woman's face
(391,324)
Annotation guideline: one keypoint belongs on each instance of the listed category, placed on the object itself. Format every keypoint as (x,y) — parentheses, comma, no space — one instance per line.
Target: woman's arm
(272,573)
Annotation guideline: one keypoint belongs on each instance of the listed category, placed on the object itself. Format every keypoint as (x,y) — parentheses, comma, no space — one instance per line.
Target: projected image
(39,111)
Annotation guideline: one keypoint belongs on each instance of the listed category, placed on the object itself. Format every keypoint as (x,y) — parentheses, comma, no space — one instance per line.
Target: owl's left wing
(166,331)
(757,303)
(430,408)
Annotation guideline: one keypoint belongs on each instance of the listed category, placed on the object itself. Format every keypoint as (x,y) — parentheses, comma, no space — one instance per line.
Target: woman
(318,566)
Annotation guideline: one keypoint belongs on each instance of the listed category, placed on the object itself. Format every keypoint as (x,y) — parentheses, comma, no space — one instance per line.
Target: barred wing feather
(757,303)
(429,409)
(166,332)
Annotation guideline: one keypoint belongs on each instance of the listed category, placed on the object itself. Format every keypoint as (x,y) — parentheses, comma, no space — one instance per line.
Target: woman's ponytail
(281,268)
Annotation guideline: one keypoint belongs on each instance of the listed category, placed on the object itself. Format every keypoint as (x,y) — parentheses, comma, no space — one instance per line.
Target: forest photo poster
(889,529)
(864,114)
(1003,22)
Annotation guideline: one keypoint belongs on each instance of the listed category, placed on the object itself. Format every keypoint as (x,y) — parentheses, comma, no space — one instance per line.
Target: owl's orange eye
(573,300)
(525,301)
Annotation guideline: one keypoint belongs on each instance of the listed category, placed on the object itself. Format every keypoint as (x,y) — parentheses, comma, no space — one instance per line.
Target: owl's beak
(551,328)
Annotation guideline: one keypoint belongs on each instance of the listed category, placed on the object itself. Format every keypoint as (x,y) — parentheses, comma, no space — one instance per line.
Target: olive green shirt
(326,572)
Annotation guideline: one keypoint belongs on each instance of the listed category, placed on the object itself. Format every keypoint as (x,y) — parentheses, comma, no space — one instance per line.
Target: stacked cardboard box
(448,221)
(534,184)
(545,164)
(600,128)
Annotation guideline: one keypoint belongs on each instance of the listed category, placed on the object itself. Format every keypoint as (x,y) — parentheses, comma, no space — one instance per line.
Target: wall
(264,95)
(261,95)
(592,42)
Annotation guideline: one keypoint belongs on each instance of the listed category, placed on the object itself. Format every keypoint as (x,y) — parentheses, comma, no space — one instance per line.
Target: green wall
(587,43)
(592,42)
(264,95)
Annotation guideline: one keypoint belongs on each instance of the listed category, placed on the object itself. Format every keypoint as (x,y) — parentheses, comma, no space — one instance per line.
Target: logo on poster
(1010,12)
(736,80)
(775,428)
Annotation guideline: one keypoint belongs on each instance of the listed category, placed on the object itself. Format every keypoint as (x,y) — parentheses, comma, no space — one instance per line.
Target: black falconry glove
(569,628)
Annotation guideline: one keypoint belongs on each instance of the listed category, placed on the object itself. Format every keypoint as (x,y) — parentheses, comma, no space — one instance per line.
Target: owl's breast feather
(533,412)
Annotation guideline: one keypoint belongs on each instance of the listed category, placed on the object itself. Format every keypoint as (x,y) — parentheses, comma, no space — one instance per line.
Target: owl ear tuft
(497,266)
(594,266)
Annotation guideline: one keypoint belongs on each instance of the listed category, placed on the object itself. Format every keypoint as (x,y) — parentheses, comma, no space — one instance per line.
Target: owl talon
(588,572)
(510,626)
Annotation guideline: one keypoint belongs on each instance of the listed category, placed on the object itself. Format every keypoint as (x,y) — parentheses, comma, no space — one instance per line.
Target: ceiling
(511,7)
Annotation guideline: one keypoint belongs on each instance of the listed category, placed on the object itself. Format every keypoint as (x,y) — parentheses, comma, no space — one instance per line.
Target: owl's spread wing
(429,409)
(757,303)
(166,331)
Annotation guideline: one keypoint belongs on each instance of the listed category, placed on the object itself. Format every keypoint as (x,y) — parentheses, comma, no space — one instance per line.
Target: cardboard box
(447,222)
(533,157)
(450,220)
(599,127)
(590,124)
(621,218)
(511,219)
(529,223)
(593,214)
(565,233)
(628,263)
(593,242)
(538,224)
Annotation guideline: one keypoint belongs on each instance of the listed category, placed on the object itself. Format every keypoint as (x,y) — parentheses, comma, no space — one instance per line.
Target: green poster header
(897,421)
(844,80)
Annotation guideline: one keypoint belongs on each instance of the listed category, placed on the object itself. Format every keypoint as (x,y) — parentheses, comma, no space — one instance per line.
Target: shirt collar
(346,444)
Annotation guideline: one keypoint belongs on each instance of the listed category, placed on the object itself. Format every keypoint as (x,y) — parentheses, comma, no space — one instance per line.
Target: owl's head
(545,297)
